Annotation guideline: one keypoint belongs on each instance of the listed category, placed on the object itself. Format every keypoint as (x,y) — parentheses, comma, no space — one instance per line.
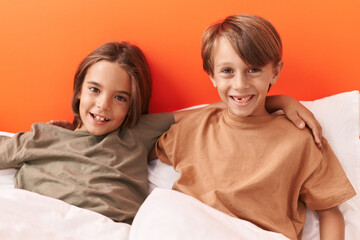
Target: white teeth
(97,118)
(242,100)
(100,119)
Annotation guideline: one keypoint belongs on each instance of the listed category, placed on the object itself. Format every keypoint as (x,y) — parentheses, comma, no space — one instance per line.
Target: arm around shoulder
(296,113)
(332,225)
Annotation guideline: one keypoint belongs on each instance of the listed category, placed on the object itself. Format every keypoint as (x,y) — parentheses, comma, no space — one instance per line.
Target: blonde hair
(254,38)
(133,61)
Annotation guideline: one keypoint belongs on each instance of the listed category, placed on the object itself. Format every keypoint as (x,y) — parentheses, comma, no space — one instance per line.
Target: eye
(227,70)
(254,70)
(94,89)
(121,98)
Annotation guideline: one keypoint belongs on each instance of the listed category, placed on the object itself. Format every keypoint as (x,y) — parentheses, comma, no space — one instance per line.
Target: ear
(212,80)
(277,70)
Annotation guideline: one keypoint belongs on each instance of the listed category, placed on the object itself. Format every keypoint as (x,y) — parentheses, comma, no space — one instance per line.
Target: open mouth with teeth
(242,99)
(99,118)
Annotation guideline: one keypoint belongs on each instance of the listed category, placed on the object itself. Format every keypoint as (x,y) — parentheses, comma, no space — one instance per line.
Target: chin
(97,132)
(241,111)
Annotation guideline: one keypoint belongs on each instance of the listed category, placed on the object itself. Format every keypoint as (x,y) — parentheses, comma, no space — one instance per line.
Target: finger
(296,119)
(317,136)
(53,122)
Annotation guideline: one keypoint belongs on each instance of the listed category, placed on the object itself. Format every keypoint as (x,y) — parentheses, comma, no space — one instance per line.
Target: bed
(167,214)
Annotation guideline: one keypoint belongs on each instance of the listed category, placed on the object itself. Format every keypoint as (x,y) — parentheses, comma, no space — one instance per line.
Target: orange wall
(42,42)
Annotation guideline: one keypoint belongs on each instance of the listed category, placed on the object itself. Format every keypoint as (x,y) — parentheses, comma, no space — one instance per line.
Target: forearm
(278,102)
(332,225)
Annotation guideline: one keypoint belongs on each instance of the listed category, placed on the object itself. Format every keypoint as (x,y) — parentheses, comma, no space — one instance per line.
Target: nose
(103,102)
(240,81)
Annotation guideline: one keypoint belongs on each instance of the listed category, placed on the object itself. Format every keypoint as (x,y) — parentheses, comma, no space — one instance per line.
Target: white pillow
(339,118)
(6,134)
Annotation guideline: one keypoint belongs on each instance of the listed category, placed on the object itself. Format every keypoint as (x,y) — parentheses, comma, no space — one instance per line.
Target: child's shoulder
(42,126)
(44,130)
(203,114)
(283,124)
(154,122)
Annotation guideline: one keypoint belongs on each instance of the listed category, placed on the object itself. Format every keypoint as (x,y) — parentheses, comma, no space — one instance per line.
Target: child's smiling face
(241,87)
(104,98)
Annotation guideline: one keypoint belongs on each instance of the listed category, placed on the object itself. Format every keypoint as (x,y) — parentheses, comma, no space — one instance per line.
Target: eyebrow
(118,92)
(231,64)
(221,64)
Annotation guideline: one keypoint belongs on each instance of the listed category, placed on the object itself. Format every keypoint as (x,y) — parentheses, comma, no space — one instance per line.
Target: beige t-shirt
(260,169)
(106,174)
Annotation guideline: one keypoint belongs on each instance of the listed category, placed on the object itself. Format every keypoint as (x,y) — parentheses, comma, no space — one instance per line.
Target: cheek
(122,111)
(222,87)
(223,94)
(86,99)
(263,85)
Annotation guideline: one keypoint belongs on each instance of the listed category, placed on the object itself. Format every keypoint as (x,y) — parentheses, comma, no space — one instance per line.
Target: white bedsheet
(27,215)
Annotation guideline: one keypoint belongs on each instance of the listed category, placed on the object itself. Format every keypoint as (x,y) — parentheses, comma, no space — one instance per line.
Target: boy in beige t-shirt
(243,161)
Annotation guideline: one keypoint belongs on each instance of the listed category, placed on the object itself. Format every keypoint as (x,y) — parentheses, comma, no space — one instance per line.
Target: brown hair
(254,38)
(133,61)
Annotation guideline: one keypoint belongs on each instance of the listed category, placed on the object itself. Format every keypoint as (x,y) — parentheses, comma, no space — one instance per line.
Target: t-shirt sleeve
(152,126)
(165,145)
(328,185)
(13,149)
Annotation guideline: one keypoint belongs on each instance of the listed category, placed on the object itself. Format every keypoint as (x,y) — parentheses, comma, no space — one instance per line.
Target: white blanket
(166,214)
(171,215)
